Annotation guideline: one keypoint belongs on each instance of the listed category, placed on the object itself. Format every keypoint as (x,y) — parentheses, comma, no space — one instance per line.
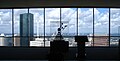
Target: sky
(68,17)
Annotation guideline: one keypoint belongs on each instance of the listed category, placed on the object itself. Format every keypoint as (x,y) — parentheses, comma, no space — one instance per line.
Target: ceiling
(58,3)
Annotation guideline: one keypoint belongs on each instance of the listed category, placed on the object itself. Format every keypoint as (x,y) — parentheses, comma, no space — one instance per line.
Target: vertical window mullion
(109,27)
(77,22)
(28,27)
(44,27)
(60,20)
(93,27)
(12,27)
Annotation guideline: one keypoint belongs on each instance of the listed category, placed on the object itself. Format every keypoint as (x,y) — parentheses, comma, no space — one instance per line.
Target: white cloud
(85,18)
(1,13)
(53,14)
(96,12)
(104,18)
(115,19)
(97,24)
(5,21)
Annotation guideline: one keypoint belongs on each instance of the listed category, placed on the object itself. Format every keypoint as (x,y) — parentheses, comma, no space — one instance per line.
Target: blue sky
(85,17)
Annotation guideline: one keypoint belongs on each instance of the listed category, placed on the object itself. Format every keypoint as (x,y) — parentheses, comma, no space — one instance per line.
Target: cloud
(101,18)
(5,16)
(55,13)
(85,16)
(97,24)
(5,21)
(115,17)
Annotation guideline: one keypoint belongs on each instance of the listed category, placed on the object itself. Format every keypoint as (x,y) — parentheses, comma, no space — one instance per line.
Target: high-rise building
(26,29)
(118,30)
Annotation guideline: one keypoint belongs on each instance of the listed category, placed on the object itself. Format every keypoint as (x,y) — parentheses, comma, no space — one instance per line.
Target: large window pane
(6,27)
(69,20)
(85,24)
(17,17)
(114,26)
(38,26)
(52,22)
(101,26)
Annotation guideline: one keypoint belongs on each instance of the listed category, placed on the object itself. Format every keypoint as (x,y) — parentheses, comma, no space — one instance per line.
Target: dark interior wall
(58,3)
(42,53)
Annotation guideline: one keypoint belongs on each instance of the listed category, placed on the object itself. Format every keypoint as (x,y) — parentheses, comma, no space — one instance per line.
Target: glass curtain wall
(100,25)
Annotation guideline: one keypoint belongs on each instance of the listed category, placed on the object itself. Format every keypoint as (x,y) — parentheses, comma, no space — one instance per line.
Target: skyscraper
(118,30)
(26,29)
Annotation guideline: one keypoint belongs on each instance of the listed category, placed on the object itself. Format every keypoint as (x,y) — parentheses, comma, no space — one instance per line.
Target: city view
(39,26)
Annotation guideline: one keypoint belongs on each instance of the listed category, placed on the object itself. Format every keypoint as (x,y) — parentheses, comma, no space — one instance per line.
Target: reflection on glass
(38,26)
(6,27)
(114,26)
(85,24)
(101,26)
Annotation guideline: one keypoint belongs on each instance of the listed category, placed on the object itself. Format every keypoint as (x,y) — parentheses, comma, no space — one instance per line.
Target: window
(18,17)
(38,15)
(6,27)
(38,26)
(101,26)
(52,23)
(114,26)
(85,24)
(69,20)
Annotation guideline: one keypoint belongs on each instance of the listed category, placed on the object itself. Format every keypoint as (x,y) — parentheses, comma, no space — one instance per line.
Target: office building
(26,28)
(118,30)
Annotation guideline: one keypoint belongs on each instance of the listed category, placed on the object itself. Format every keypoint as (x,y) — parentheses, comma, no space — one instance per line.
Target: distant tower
(26,29)
(118,30)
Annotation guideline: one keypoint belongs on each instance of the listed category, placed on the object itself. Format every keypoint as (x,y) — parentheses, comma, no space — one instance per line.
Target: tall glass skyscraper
(26,29)
(118,30)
